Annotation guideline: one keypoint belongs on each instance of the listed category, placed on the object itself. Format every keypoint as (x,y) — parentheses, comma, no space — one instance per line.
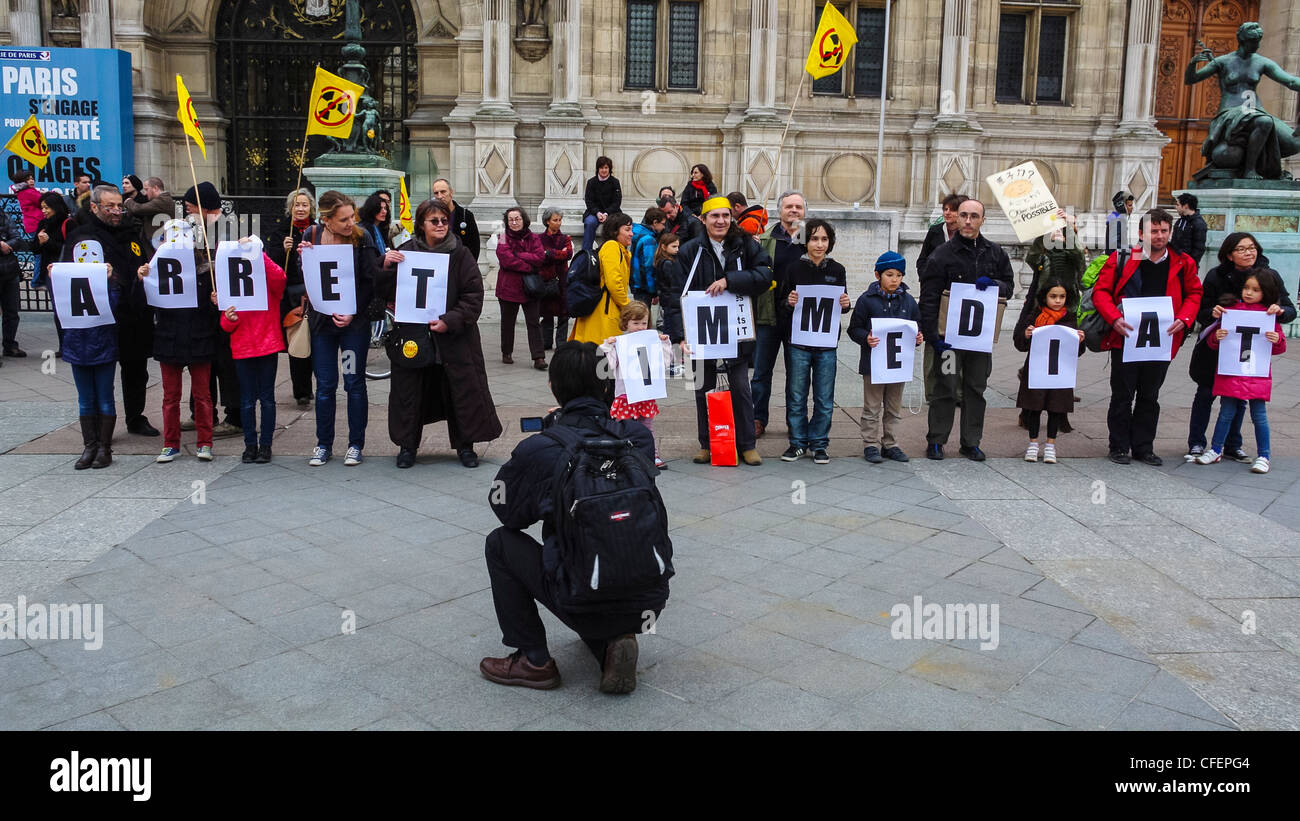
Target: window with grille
(867,57)
(663,45)
(1033,51)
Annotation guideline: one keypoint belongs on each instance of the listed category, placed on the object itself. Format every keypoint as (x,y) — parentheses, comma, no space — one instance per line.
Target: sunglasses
(438,221)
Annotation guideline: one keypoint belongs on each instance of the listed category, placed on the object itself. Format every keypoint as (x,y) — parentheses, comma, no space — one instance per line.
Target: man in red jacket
(1151,269)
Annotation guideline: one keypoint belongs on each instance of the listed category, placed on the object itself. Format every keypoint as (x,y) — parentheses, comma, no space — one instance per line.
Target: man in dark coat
(728,260)
(972,258)
(1190,229)
(462,219)
(681,221)
(523,572)
(10,273)
(124,247)
(941,232)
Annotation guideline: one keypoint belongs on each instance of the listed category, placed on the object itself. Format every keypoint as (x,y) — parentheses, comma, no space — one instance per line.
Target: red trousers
(200,373)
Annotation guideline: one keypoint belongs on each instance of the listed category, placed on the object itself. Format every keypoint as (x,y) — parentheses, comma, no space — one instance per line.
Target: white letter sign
(892,360)
(1053,357)
(331,284)
(239,272)
(172,281)
(816,321)
(81,294)
(1149,341)
(972,317)
(421,287)
(641,364)
(1245,351)
(709,325)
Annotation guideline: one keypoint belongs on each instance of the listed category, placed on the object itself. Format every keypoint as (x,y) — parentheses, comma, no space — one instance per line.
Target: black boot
(90,440)
(104,456)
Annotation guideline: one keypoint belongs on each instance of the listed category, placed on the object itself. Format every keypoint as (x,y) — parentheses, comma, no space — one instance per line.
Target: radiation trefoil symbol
(333,108)
(830,50)
(34,142)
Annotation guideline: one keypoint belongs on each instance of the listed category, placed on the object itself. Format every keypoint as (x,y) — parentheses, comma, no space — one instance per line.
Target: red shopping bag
(722,426)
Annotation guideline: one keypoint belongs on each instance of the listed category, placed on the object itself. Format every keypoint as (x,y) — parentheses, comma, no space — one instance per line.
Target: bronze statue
(1244,140)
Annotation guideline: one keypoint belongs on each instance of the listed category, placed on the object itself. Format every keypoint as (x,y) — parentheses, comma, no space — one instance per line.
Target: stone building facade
(514,99)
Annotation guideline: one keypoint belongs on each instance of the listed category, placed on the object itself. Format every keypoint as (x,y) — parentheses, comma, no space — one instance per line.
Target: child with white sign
(634,317)
(1054,304)
(812,361)
(1257,294)
(882,401)
(256,340)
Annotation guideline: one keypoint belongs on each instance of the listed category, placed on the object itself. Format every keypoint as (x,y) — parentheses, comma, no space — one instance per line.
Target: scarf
(1047,316)
(701,187)
(302,225)
(447,246)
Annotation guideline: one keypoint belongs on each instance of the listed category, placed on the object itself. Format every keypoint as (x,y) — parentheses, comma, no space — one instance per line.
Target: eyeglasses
(1245,249)
(438,221)
(112,209)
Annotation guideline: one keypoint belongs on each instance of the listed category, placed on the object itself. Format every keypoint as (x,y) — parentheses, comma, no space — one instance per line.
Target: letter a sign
(80,293)
(1149,341)
(972,318)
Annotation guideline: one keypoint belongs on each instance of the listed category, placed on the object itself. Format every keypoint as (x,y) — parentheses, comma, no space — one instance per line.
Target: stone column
(1140,66)
(566,56)
(954,60)
(96,25)
(496,56)
(1135,146)
(565,123)
(25,22)
(762,60)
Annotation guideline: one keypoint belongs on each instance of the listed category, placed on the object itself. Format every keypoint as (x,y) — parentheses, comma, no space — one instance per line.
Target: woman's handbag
(409,345)
(297,333)
(537,287)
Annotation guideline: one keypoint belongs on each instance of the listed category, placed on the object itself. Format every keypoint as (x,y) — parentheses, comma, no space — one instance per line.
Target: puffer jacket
(258,333)
(745,266)
(644,245)
(876,304)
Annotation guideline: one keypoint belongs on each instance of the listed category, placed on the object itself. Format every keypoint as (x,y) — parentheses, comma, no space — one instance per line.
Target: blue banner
(82,99)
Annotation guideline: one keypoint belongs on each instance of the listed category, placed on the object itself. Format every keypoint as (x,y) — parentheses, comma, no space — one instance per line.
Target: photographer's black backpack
(611,527)
(583,289)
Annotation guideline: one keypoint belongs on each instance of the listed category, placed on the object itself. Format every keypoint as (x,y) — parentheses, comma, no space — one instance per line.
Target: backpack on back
(611,527)
(583,289)
(1094,326)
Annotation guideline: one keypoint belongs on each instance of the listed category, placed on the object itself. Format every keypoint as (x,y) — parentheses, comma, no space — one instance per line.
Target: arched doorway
(267,52)
(1184,112)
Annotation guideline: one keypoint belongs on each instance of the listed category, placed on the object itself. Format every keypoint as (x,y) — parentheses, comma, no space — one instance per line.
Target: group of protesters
(698,242)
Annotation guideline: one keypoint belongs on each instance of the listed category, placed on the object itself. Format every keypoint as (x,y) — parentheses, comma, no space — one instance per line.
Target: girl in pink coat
(256,340)
(1257,294)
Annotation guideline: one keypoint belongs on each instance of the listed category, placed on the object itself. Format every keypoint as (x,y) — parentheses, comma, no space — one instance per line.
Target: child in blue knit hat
(882,405)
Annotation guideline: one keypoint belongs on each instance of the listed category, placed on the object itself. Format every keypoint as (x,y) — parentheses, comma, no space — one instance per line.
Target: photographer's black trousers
(514,563)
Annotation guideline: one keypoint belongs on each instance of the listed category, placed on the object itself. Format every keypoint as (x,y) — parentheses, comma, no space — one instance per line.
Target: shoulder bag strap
(691,276)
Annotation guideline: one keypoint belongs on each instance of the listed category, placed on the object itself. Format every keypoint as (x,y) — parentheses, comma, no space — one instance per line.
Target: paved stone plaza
(227,588)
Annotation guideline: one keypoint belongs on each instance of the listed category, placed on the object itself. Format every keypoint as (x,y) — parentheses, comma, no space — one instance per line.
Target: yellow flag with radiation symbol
(404,209)
(188,116)
(831,44)
(29,143)
(333,105)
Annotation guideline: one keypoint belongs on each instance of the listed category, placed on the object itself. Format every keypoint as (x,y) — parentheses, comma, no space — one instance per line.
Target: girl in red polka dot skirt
(635,317)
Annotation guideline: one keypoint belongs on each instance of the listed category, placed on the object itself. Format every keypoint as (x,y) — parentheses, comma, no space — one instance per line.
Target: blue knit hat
(891,260)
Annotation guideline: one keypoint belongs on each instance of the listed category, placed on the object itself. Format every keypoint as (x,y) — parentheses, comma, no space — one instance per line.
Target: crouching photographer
(605,558)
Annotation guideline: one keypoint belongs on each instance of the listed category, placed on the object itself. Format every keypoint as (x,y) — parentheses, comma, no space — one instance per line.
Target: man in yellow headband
(724,259)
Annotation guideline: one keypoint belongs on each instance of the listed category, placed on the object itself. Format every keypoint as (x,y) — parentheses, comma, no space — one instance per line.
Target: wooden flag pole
(302,158)
(776,171)
(203,222)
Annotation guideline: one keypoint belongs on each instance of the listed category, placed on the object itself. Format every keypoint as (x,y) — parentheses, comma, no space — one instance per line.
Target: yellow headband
(714,203)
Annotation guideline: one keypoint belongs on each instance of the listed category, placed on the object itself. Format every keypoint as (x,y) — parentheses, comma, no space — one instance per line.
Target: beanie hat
(891,260)
(135,182)
(208,199)
(714,203)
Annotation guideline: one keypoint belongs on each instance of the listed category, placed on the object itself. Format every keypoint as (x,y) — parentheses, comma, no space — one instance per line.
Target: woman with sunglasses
(1240,257)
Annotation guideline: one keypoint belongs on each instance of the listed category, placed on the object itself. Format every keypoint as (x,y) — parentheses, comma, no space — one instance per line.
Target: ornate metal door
(1184,112)
(267,52)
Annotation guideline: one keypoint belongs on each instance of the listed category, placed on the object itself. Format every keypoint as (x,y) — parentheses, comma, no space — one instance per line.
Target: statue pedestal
(1272,214)
(357,183)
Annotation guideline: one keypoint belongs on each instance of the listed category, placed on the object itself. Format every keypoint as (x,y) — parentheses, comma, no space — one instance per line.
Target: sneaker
(188,424)
(205,453)
(792,454)
(895,453)
(167,455)
(934,450)
(250,454)
(821,457)
(660,463)
(1239,455)
(1119,457)
(1031,452)
(1049,454)
(1192,453)
(973,453)
(872,455)
(515,670)
(1209,457)
(353,456)
(319,456)
(1260,466)
(618,673)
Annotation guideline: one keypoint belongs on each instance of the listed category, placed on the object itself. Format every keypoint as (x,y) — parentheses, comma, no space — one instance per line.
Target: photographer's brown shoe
(515,670)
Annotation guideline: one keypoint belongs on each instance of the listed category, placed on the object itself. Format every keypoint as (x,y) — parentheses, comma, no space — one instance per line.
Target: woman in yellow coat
(615,274)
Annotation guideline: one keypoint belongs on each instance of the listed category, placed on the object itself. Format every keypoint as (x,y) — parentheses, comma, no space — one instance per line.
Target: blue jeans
(1202,404)
(767,343)
(589,225)
(819,364)
(257,386)
(325,348)
(95,388)
(1231,412)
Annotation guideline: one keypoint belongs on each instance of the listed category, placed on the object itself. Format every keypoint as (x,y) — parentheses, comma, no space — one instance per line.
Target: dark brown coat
(460,353)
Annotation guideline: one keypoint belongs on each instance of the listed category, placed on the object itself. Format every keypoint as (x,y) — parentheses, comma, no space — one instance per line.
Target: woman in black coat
(454,386)
(281,245)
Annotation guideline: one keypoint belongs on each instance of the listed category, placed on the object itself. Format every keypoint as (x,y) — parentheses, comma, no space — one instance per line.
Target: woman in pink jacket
(256,340)
(1257,294)
(519,252)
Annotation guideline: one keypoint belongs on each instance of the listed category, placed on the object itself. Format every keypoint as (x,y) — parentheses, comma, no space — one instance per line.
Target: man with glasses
(123,247)
(462,219)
